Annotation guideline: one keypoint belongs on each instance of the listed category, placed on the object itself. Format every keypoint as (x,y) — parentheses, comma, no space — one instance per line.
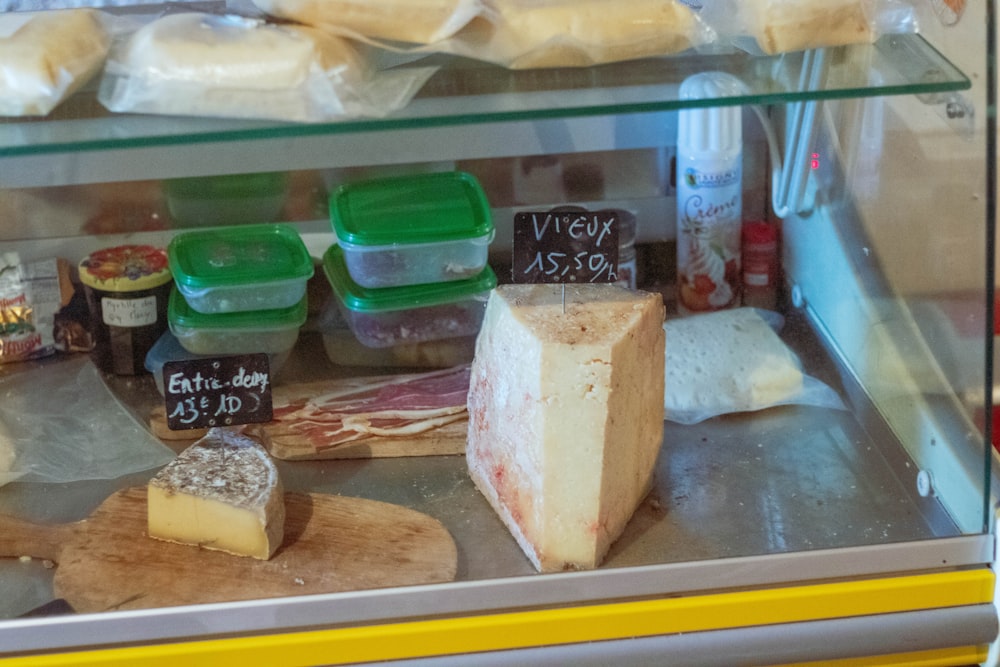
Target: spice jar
(760,265)
(128,289)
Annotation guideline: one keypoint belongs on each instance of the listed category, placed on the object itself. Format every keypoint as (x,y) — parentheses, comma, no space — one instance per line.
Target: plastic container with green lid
(242,268)
(127,288)
(226,200)
(271,331)
(415,229)
(383,317)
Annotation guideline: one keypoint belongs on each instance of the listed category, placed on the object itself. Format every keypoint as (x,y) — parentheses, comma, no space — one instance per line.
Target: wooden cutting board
(287,444)
(445,440)
(332,543)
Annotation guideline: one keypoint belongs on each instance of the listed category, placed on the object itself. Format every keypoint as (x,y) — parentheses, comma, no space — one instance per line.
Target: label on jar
(128,312)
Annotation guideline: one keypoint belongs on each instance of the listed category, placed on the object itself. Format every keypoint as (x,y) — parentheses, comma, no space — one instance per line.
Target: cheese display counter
(852,522)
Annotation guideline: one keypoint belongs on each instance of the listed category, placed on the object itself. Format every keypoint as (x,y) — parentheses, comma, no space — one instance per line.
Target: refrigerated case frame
(941,590)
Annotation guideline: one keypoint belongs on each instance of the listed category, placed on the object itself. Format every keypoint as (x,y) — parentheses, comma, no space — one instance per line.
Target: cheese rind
(222,493)
(566,415)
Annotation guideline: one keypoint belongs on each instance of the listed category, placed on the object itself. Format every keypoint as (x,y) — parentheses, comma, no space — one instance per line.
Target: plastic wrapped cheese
(527,34)
(416,21)
(210,65)
(733,361)
(47,56)
(781,26)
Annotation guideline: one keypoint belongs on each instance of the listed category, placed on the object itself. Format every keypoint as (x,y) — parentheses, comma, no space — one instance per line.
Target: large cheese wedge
(223,493)
(566,415)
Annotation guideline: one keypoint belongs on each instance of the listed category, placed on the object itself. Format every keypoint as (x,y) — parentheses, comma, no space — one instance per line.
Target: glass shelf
(467,92)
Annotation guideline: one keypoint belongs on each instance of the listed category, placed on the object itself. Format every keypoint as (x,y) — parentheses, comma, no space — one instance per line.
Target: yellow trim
(522,629)
(946,657)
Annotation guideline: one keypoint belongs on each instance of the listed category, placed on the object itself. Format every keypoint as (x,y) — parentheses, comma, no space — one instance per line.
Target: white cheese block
(566,415)
(726,361)
(202,64)
(223,493)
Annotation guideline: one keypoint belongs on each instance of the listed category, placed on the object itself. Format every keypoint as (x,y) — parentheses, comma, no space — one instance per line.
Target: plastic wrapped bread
(209,65)
(47,56)
(527,34)
(416,21)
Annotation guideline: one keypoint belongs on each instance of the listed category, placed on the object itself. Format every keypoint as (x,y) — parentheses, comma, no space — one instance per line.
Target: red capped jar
(128,289)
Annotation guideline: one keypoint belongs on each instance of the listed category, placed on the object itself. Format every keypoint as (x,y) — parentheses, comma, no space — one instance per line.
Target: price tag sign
(566,246)
(218,391)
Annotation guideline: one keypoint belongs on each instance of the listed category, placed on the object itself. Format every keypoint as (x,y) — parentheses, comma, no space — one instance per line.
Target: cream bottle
(709,195)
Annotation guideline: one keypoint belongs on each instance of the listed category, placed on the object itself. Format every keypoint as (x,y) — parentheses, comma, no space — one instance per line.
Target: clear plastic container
(410,314)
(411,230)
(269,331)
(343,348)
(226,200)
(241,269)
(168,348)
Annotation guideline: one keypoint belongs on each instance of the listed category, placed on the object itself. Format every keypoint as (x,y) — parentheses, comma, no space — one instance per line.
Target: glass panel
(465,91)
(891,267)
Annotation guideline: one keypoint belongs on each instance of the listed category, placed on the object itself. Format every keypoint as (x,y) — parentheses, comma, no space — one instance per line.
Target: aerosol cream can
(709,195)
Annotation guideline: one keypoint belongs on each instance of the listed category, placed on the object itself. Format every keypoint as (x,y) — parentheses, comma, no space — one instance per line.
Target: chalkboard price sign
(217,391)
(568,245)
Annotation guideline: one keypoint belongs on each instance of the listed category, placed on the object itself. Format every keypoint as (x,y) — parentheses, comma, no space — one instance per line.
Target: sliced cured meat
(390,406)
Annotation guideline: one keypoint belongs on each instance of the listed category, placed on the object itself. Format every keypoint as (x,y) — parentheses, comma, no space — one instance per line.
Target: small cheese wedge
(222,493)
(566,415)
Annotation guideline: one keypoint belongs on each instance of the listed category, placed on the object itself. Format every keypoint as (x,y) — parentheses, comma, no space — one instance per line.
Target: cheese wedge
(222,493)
(566,415)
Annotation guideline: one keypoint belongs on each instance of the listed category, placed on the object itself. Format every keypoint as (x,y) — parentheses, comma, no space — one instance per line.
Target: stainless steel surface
(744,500)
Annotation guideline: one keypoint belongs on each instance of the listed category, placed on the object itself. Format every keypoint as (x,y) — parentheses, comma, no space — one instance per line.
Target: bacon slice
(389,406)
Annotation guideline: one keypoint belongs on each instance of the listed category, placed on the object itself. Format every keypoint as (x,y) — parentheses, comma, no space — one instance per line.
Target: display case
(863,531)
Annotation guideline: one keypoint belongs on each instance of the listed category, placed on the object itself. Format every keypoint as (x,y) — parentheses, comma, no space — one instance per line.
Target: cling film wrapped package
(46,56)
(201,64)
(31,294)
(782,26)
(412,21)
(517,34)
(530,34)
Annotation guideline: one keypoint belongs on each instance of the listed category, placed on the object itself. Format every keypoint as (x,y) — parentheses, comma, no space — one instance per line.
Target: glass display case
(791,534)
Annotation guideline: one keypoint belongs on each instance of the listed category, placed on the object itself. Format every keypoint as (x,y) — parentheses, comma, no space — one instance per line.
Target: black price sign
(566,246)
(218,391)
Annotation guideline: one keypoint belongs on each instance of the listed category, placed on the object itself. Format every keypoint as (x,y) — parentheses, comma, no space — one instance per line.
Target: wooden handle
(22,538)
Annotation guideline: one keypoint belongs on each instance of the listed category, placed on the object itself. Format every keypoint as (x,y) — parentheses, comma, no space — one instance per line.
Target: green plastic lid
(181,314)
(368,300)
(230,186)
(239,255)
(421,208)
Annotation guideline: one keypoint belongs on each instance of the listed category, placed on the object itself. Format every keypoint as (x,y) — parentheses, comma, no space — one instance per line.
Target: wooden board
(332,544)
(287,445)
